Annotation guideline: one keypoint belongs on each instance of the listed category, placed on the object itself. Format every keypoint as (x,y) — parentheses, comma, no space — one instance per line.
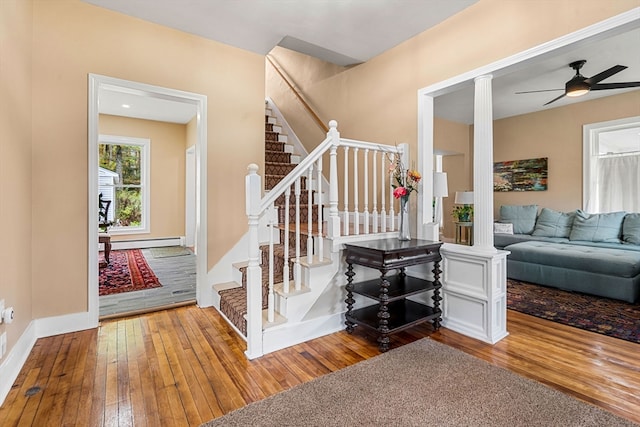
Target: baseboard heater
(148,243)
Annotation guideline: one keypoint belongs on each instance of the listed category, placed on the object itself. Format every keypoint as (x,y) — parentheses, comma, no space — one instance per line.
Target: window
(611,178)
(126,161)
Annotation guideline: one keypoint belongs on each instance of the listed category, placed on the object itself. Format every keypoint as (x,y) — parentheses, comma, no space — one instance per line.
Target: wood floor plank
(185,366)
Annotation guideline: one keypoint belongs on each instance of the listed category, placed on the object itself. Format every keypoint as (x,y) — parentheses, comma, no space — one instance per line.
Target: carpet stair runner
(278,163)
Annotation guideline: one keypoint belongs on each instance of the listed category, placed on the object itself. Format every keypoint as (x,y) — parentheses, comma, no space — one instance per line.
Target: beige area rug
(422,383)
(170,251)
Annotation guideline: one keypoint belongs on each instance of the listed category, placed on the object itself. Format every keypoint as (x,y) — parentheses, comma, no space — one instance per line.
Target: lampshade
(464,197)
(440,188)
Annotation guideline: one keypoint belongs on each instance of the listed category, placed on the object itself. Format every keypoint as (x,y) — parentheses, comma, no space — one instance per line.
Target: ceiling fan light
(577,88)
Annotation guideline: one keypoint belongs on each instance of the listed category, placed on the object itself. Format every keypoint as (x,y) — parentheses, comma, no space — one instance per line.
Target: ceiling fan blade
(605,74)
(535,91)
(605,86)
(555,99)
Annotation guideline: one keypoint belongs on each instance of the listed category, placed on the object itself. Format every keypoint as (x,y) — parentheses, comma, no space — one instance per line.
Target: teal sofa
(597,254)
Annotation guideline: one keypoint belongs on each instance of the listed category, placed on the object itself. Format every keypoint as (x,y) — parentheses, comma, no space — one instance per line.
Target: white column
(483,165)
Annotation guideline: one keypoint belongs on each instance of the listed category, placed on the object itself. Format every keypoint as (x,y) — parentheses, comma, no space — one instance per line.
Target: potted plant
(462,213)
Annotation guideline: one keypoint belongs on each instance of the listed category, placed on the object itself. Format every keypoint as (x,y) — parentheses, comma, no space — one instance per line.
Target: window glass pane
(128,207)
(125,160)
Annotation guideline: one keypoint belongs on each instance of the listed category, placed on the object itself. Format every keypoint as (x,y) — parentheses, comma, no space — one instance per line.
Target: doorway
(103,87)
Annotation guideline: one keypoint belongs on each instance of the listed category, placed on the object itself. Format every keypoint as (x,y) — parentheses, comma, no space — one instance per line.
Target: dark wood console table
(394,312)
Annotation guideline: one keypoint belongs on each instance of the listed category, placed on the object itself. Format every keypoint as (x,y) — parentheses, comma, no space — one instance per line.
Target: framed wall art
(520,175)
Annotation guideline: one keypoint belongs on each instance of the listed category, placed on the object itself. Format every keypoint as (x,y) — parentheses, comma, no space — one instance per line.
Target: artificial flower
(406,180)
(399,192)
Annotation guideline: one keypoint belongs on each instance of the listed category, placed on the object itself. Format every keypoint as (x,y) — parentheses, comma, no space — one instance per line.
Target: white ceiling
(342,31)
(140,106)
(352,31)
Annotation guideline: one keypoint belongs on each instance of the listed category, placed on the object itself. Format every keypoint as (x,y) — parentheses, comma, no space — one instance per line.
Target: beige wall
(557,134)
(15,164)
(72,39)
(167,147)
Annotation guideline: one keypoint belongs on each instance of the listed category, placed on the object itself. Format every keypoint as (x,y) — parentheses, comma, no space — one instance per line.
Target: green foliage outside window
(126,161)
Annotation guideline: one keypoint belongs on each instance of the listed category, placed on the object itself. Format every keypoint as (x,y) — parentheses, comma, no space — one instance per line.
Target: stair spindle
(374,213)
(285,270)
(297,272)
(366,191)
(356,214)
(346,192)
(270,299)
(309,216)
(383,199)
(319,195)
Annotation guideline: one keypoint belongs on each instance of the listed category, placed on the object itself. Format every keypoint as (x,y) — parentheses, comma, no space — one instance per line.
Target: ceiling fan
(580,85)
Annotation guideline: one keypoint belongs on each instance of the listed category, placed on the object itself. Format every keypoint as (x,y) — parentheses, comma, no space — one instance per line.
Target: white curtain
(619,183)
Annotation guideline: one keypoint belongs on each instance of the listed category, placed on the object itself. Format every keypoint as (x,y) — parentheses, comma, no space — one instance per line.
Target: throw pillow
(502,228)
(631,228)
(523,218)
(552,223)
(606,227)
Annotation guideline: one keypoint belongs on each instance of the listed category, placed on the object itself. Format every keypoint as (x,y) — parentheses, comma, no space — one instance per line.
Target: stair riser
(278,168)
(277,157)
(271,181)
(274,146)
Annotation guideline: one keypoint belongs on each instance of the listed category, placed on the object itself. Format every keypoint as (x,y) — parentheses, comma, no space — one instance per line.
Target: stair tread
(224,286)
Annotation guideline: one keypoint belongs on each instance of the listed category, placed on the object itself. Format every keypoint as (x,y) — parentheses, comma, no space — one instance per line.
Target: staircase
(279,161)
(289,288)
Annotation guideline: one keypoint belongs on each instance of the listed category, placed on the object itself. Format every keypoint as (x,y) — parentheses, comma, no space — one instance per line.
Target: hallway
(177,274)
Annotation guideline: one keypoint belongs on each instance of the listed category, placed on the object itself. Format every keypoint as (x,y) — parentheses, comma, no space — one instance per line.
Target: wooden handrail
(304,103)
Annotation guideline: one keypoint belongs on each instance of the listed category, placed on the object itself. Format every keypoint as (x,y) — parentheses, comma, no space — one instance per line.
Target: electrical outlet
(3,344)
(1,310)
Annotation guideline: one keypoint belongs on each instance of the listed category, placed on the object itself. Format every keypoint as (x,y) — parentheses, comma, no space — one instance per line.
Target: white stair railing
(339,223)
(353,219)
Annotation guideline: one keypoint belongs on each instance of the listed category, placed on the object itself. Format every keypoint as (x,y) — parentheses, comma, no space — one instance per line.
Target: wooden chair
(103,225)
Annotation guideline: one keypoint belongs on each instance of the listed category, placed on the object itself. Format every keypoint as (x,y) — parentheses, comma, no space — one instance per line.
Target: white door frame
(96,82)
(190,198)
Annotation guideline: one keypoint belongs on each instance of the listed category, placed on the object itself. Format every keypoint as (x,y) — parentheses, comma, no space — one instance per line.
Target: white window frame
(145,180)
(590,154)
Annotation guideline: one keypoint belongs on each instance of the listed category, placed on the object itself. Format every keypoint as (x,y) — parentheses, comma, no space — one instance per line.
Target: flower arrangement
(406,180)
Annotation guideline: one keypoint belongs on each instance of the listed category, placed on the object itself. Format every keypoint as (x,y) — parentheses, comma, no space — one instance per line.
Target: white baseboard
(147,243)
(286,335)
(15,360)
(56,325)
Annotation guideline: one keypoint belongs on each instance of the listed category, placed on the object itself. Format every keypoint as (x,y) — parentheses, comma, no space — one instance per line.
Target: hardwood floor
(186,366)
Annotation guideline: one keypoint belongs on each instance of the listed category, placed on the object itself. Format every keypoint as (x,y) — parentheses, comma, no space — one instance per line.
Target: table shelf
(399,287)
(404,314)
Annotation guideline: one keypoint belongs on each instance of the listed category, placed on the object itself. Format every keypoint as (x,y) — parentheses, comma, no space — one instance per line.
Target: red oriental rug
(127,271)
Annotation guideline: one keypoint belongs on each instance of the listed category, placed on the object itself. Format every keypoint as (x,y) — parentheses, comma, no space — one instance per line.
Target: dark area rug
(605,316)
(127,271)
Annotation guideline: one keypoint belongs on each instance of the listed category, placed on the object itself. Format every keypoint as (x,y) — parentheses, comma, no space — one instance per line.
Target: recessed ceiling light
(126,106)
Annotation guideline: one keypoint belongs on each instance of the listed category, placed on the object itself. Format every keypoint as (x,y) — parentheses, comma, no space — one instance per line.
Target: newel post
(333,222)
(253,190)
